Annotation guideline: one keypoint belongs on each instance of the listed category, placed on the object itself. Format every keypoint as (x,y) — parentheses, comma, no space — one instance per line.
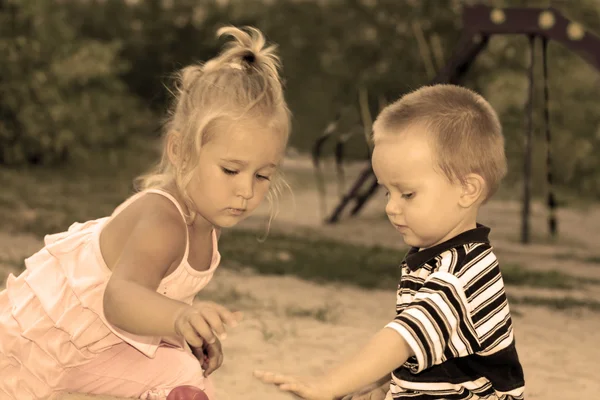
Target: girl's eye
(408,195)
(232,172)
(387,194)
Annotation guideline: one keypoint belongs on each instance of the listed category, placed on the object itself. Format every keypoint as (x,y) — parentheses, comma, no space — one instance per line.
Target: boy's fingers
(270,377)
(263,375)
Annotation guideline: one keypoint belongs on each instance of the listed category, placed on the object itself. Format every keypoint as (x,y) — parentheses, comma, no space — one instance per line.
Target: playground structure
(479,24)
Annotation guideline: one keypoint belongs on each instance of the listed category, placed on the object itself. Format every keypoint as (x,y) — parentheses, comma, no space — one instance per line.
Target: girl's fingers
(211,365)
(226,316)
(237,318)
(213,319)
(191,336)
(202,328)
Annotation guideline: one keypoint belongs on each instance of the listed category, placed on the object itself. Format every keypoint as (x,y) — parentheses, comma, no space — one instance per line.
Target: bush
(59,94)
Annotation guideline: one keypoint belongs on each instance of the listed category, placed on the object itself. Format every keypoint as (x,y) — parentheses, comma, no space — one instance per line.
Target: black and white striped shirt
(453,312)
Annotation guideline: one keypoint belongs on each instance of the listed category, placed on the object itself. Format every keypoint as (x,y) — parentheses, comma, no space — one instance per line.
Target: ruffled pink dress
(51,316)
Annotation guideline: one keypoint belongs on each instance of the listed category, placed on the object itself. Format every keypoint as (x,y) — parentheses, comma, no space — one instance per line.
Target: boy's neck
(466,224)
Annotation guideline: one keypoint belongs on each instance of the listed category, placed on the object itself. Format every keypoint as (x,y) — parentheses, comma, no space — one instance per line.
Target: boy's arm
(374,391)
(385,352)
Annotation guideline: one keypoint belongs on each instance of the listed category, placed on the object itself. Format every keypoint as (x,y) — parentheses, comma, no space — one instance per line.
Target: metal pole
(528,149)
(552,221)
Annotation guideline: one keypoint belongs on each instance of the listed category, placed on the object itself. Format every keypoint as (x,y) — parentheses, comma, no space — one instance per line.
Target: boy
(439,152)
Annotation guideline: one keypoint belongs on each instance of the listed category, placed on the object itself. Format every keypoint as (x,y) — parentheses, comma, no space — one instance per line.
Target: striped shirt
(453,312)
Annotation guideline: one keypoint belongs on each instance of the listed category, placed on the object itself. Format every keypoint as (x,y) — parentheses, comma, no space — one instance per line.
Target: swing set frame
(480,22)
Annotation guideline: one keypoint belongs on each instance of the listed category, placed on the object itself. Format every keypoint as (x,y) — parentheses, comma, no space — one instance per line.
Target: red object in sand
(187,393)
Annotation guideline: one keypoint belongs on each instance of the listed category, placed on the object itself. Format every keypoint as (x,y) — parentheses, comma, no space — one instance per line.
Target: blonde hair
(242,82)
(466,132)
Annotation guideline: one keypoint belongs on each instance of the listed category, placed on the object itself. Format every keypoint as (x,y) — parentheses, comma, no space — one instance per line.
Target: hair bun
(249,57)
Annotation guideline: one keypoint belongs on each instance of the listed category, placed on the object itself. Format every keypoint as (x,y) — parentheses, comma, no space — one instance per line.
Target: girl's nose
(245,190)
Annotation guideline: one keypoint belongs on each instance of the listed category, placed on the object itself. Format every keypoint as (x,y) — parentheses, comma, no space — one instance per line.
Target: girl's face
(234,172)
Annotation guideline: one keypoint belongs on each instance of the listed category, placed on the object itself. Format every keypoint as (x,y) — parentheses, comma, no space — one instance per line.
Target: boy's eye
(387,194)
(408,195)
(229,171)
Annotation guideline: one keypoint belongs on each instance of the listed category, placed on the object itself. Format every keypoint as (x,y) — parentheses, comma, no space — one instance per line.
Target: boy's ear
(173,146)
(473,190)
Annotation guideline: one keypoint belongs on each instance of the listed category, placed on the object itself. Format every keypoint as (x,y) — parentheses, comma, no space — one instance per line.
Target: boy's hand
(372,392)
(210,356)
(203,322)
(309,389)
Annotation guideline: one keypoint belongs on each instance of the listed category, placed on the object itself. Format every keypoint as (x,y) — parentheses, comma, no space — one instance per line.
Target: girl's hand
(309,389)
(203,322)
(210,356)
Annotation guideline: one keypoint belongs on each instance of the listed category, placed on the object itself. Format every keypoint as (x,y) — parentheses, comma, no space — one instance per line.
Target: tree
(59,94)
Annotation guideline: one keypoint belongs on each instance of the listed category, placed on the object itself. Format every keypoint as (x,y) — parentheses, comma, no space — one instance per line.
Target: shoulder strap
(173,200)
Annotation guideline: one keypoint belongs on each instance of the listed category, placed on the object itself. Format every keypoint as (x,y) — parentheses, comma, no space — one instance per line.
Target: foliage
(59,94)
(87,65)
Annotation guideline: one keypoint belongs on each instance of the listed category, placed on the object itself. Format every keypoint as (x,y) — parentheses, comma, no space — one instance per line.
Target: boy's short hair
(466,132)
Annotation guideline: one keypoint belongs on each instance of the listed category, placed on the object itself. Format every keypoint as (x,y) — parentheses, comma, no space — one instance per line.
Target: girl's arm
(131,302)
(385,352)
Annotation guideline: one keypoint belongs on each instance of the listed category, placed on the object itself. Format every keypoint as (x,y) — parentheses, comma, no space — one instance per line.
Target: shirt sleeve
(437,324)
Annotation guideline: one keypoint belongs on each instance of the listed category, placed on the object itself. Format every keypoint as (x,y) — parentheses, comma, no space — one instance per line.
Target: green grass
(228,296)
(317,259)
(592,259)
(42,200)
(327,313)
(557,303)
(572,256)
(517,275)
(324,260)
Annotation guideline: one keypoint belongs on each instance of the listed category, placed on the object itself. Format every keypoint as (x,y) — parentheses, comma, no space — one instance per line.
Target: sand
(558,349)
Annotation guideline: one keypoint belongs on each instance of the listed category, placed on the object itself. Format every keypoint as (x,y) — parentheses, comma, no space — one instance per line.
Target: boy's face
(234,172)
(423,205)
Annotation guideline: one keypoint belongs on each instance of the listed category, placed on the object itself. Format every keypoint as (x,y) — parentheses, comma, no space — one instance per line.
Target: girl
(106,307)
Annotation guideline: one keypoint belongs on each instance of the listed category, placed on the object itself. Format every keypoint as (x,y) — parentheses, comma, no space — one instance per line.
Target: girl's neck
(200,225)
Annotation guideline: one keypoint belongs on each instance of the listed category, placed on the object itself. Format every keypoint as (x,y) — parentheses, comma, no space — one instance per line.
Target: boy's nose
(392,209)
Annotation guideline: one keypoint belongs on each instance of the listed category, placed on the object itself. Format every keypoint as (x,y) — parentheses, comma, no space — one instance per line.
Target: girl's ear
(173,146)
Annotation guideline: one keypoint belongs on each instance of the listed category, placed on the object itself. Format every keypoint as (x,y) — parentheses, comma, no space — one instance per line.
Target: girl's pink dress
(54,335)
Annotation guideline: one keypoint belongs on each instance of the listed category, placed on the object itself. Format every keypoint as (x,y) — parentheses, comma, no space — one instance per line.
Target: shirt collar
(415,258)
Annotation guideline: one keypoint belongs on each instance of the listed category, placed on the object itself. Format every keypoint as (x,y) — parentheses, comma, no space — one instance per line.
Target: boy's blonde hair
(241,83)
(465,130)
